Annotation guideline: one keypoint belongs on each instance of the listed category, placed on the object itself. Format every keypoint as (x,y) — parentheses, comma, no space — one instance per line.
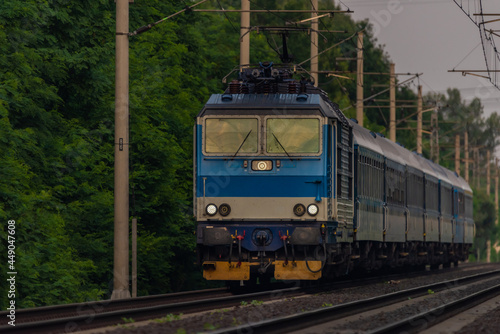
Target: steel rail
(93,320)
(312,318)
(439,314)
(93,307)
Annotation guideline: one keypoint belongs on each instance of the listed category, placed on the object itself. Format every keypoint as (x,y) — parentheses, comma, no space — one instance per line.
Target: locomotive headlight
(224,209)
(312,209)
(262,165)
(299,209)
(211,209)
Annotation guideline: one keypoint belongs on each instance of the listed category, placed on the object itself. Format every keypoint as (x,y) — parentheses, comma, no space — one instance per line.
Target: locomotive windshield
(231,135)
(293,135)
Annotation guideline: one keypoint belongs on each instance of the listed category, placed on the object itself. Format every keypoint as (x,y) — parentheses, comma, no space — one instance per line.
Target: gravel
(428,303)
(486,324)
(258,311)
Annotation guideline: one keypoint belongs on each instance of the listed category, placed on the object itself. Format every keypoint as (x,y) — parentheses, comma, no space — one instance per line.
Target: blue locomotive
(286,187)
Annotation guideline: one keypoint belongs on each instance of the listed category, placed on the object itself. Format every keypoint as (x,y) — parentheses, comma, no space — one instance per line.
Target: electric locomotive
(286,187)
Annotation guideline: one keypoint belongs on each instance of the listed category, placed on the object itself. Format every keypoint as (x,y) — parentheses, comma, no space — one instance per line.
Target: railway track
(82,315)
(420,321)
(310,319)
(72,317)
(69,318)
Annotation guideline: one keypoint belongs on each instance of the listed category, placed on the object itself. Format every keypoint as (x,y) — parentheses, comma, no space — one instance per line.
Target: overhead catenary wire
(151,25)
(227,18)
(331,47)
(467,55)
(269,11)
(344,5)
(490,52)
(357,3)
(382,92)
(320,20)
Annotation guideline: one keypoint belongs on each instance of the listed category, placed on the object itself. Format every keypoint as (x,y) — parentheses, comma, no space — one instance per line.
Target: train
(287,188)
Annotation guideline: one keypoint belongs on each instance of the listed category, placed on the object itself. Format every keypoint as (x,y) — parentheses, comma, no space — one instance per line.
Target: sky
(432,37)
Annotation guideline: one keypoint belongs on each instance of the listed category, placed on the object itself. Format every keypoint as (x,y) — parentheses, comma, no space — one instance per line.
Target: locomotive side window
(293,135)
(231,135)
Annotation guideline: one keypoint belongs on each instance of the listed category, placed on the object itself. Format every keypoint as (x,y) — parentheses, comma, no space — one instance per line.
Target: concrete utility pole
(121,242)
(457,154)
(488,251)
(434,138)
(134,257)
(245,34)
(419,120)
(496,246)
(359,82)
(496,191)
(478,176)
(488,173)
(314,42)
(392,102)
(474,162)
(466,151)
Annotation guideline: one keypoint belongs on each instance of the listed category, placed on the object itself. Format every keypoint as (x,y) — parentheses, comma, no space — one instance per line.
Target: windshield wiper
(243,142)
(282,147)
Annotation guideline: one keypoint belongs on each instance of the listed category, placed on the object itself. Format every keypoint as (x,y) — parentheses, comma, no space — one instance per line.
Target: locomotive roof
(261,103)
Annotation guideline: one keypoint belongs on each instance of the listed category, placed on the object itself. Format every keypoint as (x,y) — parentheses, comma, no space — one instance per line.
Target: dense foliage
(57,132)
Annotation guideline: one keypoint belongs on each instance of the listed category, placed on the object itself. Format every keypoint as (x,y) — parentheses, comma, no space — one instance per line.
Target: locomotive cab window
(293,135)
(231,135)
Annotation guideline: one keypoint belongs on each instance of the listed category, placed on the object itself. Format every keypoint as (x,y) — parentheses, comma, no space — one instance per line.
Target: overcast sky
(432,37)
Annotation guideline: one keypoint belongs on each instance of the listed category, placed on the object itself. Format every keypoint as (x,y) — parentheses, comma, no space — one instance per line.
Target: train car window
(446,201)
(293,135)
(468,207)
(231,135)
(416,196)
(431,195)
(461,204)
(395,192)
